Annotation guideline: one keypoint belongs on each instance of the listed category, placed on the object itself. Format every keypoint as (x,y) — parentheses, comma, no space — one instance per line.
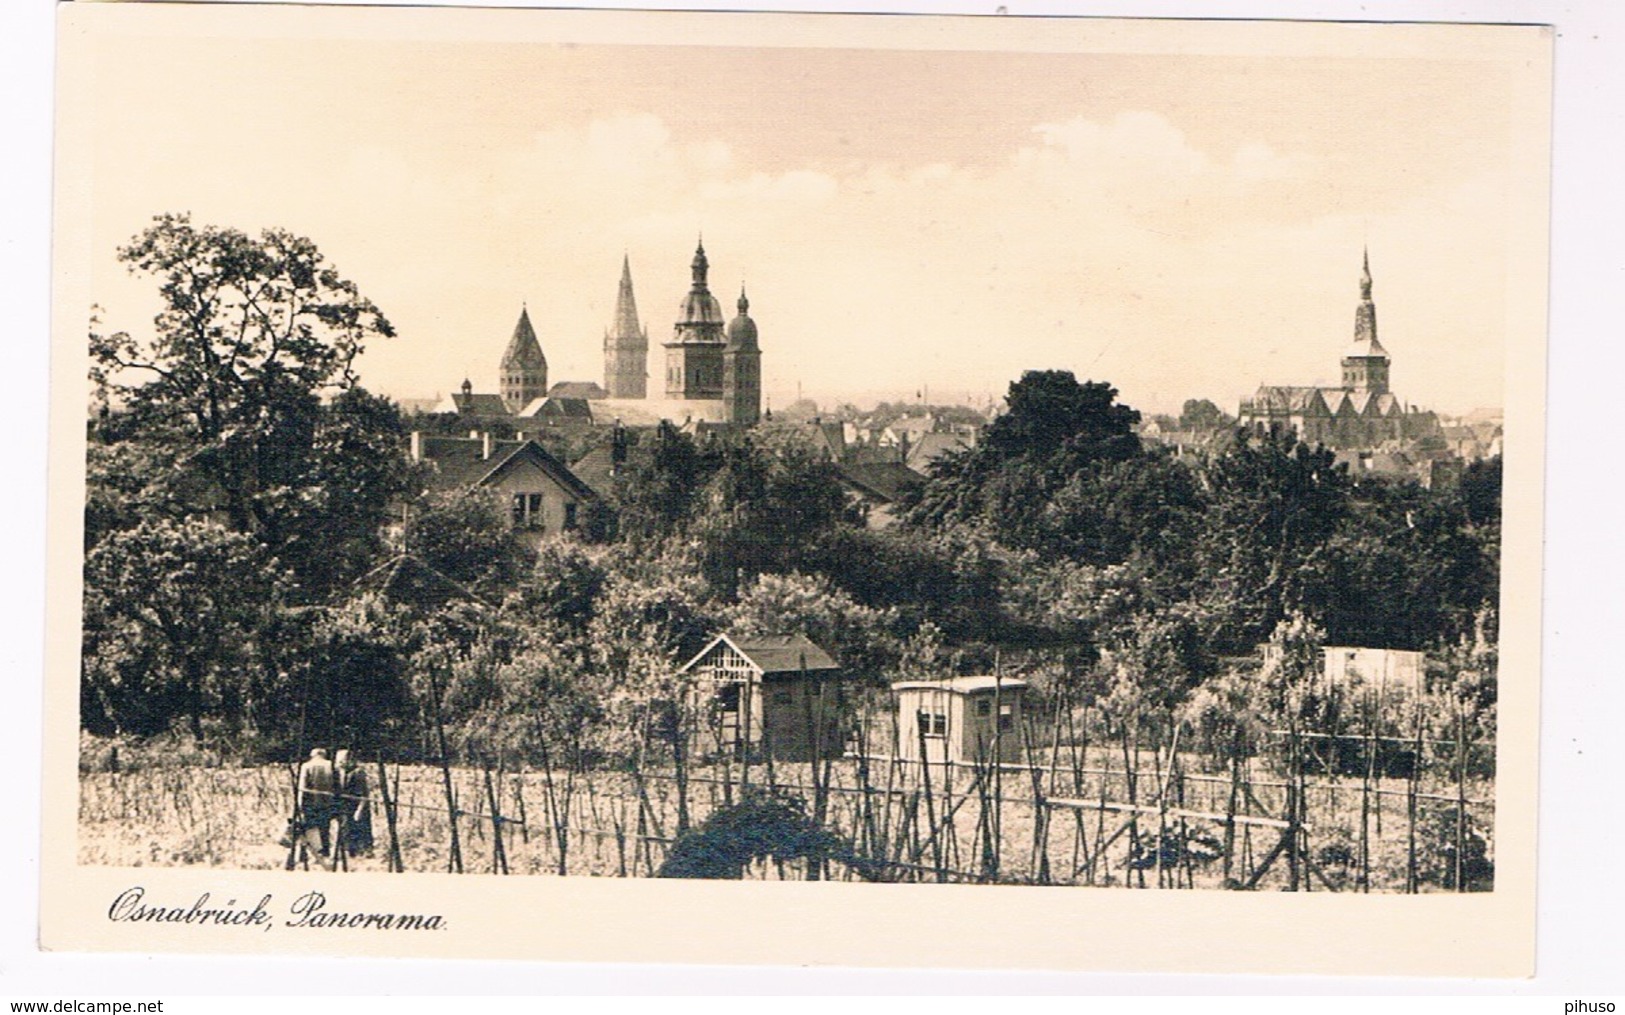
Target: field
(1073,817)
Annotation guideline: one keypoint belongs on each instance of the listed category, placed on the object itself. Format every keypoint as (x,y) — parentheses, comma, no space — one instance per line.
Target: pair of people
(331,791)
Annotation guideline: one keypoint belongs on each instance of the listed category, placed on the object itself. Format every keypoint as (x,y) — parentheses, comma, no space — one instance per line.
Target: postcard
(989,492)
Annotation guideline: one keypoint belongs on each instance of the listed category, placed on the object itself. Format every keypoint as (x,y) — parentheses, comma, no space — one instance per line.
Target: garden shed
(773,695)
(960,719)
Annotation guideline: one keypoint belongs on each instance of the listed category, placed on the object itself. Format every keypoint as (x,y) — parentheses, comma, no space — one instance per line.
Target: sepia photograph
(505,447)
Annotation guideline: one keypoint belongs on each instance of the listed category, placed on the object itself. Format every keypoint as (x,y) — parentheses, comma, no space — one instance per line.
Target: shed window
(984,707)
(1007,716)
(569,516)
(932,724)
(781,697)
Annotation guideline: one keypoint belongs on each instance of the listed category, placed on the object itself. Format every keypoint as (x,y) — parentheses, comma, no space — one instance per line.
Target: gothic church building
(1362,413)
(713,367)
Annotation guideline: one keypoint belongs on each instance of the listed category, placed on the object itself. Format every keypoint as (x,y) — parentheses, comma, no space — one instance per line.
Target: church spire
(626,343)
(1365,315)
(700,266)
(524,367)
(626,326)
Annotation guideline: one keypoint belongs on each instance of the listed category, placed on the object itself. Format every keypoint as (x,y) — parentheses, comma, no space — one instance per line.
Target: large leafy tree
(1272,502)
(228,387)
(1061,472)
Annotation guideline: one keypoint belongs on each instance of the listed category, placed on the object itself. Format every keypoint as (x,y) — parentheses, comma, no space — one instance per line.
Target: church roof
(476,404)
(557,407)
(524,350)
(699,306)
(626,332)
(742,330)
(645,412)
(577,389)
(1362,349)
(1288,398)
(1365,344)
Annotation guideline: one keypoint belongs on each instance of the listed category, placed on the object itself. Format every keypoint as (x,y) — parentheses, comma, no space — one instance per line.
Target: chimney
(417,446)
(485,445)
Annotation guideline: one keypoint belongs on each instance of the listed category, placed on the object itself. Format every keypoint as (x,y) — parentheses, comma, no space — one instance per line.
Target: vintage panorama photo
(520,445)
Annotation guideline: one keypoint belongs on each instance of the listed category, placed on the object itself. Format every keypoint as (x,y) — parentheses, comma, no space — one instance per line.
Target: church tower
(742,368)
(1365,363)
(524,368)
(626,345)
(694,354)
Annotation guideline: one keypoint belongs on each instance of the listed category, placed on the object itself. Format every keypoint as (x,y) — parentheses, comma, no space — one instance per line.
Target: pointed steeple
(524,350)
(524,367)
(626,326)
(1366,362)
(626,343)
(1365,315)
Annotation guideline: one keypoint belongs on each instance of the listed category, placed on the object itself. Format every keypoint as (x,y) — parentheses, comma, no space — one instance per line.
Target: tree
(1042,476)
(229,385)
(1201,414)
(1272,502)
(174,614)
(466,536)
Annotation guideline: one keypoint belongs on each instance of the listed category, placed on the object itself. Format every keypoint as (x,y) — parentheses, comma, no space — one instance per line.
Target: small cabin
(1388,671)
(775,696)
(960,719)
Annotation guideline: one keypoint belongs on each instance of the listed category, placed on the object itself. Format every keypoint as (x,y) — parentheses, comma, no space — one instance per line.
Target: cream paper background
(584,919)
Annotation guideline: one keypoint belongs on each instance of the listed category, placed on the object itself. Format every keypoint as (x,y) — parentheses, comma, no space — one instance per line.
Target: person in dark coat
(355,805)
(316,785)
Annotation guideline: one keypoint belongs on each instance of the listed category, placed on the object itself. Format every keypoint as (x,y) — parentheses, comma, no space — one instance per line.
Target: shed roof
(962,685)
(773,653)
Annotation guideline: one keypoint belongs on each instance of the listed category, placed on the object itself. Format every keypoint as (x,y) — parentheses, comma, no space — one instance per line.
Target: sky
(907,221)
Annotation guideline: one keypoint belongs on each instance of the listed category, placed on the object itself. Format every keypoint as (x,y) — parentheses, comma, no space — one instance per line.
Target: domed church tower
(742,368)
(1365,362)
(694,354)
(626,345)
(524,368)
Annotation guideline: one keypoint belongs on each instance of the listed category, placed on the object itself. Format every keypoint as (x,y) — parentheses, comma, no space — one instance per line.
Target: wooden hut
(960,719)
(778,695)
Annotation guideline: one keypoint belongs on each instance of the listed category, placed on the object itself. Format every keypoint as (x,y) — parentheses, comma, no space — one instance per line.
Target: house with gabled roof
(777,696)
(544,497)
(878,487)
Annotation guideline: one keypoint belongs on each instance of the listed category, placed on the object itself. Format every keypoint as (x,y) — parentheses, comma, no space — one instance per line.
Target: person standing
(315,804)
(354,805)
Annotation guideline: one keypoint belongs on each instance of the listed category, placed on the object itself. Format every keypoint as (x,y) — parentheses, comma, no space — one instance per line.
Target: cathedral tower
(694,354)
(524,368)
(742,368)
(626,345)
(1365,363)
